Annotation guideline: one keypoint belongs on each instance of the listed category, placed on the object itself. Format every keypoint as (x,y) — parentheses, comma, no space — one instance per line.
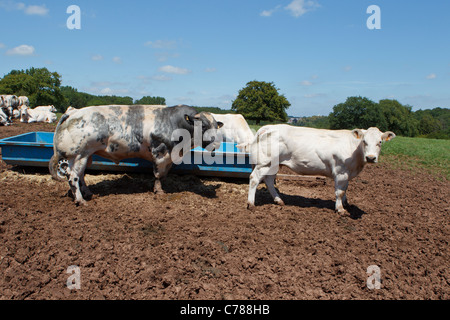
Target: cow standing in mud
(122,132)
(337,154)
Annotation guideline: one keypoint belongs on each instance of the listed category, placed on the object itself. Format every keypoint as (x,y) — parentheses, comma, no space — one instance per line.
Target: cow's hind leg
(87,194)
(270,183)
(76,177)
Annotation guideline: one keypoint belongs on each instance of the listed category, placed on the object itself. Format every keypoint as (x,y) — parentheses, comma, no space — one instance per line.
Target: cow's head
(209,126)
(371,140)
(24,114)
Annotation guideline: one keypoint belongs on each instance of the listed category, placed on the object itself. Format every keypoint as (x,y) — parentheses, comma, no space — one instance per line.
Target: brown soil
(198,241)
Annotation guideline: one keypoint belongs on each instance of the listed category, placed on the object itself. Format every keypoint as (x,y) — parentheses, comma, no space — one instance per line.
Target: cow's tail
(54,165)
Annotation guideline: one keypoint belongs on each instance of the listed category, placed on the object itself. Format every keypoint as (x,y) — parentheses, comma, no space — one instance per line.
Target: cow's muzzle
(371,159)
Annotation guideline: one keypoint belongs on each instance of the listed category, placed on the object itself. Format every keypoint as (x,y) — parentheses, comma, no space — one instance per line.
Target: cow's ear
(189,119)
(387,136)
(219,125)
(358,133)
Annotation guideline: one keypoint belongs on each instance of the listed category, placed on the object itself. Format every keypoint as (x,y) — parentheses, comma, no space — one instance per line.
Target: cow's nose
(371,159)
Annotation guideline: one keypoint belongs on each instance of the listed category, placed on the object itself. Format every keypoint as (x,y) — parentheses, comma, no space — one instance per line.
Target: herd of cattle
(13,107)
(118,132)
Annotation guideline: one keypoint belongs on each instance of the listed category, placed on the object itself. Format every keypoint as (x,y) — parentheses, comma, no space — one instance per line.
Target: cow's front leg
(340,186)
(259,173)
(161,168)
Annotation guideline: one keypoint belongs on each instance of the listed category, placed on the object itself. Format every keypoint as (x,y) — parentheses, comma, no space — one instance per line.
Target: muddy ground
(199,241)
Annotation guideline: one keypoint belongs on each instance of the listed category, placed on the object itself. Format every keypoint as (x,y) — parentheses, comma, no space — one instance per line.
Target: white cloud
(164,56)
(106,91)
(117,60)
(174,70)
(99,89)
(2,45)
(36,10)
(97,57)
(431,76)
(210,70)
(306,83)
(10,5)
(298,8)
(161,77)
(22,50)
(347,68)
(268,13)
(315,95)
(161,44)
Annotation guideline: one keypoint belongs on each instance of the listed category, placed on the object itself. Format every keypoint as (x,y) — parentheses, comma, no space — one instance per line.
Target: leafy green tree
(41,86)
(151,100)
(399,118)
(260,101)
(357,112)
(434,123)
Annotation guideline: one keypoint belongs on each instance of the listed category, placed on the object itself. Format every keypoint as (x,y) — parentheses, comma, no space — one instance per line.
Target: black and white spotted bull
(122,132)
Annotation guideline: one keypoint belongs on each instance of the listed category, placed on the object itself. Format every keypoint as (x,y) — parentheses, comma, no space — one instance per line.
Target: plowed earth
(198,241)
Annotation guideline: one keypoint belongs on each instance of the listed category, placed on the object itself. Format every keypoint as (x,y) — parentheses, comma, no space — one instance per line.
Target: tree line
(389,114)
(43,87)
(259,102)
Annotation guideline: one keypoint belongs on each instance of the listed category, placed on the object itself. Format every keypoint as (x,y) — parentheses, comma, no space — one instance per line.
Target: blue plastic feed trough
(35,149)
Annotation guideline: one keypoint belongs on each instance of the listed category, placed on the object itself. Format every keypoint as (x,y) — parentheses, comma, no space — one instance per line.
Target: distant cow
(4,121)
(28,115)
(23,101)
(338,154)
(235,129)
(46,108)
(10,103)
(121,132)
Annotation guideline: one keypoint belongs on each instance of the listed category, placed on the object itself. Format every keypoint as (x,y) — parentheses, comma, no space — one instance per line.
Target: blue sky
(202,52)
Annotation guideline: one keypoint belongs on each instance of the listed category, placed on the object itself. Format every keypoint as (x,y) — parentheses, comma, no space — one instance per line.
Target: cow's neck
(359,162)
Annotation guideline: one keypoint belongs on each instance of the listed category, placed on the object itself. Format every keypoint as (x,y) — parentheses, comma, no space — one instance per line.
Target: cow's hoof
(81,203)
(279,202)
(250,206)
(343,213)
(159,192)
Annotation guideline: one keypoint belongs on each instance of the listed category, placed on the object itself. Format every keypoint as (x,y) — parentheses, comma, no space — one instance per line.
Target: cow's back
(307,151)
(116,131)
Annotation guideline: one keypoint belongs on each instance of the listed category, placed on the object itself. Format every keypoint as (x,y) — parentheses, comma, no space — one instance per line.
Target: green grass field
(418,154)
(415,154)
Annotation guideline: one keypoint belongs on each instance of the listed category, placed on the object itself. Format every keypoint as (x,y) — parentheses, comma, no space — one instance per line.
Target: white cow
(46,108)
(337,154)
(4,121)
(235,129)
(10,102)
(23,101)
(28,115)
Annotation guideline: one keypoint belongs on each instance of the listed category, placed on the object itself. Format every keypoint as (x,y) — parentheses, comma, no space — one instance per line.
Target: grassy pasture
(416,154)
